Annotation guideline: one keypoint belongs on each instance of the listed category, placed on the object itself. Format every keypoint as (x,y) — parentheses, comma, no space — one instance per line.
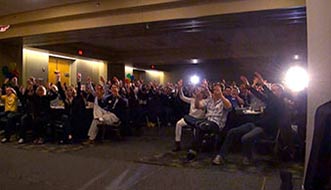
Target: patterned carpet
(263,165)
(47,147)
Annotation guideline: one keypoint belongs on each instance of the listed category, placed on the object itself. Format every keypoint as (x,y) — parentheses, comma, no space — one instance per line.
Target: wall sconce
(4,28)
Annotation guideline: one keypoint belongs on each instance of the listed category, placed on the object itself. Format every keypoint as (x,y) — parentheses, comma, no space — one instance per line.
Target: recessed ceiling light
(195,61)
(296,57)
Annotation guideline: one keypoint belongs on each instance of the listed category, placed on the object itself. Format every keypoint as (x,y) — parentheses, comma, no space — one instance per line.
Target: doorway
(139,74)
(59,65)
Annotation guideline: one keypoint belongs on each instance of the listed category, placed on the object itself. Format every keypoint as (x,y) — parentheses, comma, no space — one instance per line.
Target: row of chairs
(211,141)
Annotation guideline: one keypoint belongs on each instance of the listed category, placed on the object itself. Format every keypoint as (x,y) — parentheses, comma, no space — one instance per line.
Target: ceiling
(268,34)
(8,7)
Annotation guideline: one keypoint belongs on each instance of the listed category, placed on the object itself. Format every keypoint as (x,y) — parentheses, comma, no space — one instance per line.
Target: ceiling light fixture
(296,57)
(61,56)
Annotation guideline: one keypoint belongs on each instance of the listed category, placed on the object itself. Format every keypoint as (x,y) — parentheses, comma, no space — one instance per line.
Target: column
(319,61)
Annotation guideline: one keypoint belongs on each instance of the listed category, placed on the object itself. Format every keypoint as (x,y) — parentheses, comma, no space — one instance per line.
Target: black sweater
(41,104)
(274,113)
(77,106)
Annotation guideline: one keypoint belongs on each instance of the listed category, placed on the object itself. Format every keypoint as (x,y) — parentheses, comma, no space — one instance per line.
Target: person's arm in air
(90,86)
(181,93)
(60,88)
(79,85)
(267,91)
(252,89)
(227,104)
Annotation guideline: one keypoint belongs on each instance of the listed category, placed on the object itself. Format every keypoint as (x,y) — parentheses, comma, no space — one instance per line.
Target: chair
(271,142)
(210,136)
(209,141)
(118,129)
(59,131)
(115,129)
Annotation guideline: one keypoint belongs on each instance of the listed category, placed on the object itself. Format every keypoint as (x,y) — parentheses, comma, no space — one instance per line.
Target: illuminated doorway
(59,65)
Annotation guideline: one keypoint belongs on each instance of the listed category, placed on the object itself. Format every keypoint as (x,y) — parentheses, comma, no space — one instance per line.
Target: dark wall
(116,69)
(11,55)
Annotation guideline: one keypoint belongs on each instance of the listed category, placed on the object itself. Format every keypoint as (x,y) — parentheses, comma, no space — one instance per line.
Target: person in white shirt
(108,109)
(217,106)
(194,113)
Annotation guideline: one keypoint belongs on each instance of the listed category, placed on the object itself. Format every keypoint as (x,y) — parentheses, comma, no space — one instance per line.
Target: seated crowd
(206,108)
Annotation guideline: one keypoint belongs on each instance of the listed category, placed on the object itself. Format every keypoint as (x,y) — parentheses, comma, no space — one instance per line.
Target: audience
(107,109)
(27,108)
(74,108)
(195,113)
(138,103)
(235,99)
(10,113)
(217,106)
(41,112)
(268,124)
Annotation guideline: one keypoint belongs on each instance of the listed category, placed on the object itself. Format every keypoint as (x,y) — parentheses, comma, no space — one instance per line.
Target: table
(240,116)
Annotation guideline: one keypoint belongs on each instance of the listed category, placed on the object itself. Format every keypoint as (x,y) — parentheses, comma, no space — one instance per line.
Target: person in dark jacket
(27,106)
(268,124)
(41,112)
(108,109)
(74,108)
(318,172)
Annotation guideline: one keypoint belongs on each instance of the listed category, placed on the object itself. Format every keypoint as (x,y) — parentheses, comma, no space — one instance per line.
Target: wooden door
(139,75)
(60,65)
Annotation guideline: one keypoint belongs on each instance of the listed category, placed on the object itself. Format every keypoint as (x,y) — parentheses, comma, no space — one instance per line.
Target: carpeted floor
(46,147)
(264,165)
(51,148)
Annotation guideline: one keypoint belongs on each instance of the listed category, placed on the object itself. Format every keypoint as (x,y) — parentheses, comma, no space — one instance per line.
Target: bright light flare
(195,61)
(194,79)
(296,78)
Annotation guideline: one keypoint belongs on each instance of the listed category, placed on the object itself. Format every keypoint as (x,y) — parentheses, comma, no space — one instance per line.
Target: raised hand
(244,80)
(102,79)
(49,85)
(88,79)
(259,77)
(115,80)
(79,77)
(204,83)
(57,76)
(180,83)
(22,89)
(14,81)
(6,81)
(255,81)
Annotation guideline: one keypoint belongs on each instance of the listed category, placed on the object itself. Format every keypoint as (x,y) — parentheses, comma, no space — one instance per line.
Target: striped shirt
(216,112)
